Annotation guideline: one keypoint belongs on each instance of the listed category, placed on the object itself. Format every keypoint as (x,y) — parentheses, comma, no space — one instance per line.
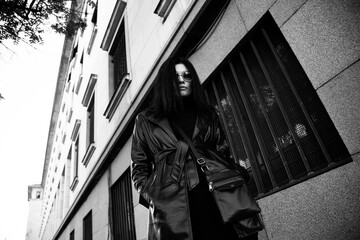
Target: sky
(28,77)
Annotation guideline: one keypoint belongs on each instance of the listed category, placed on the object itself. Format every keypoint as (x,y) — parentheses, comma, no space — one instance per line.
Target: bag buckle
(204,168)
(200,161)
(202,164)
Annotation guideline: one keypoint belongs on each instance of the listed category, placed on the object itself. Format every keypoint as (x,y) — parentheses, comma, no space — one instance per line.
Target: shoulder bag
(227,186)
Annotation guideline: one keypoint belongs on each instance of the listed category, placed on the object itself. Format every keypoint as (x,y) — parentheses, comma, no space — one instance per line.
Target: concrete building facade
(282,74)
(35,193)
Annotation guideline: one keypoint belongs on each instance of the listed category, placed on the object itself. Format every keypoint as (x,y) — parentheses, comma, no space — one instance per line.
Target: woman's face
(184,79)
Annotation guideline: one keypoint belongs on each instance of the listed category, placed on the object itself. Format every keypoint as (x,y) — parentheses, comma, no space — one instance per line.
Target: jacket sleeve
(222,148)
(141,161)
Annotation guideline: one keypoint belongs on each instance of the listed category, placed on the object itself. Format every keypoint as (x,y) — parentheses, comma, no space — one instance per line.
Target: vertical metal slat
(254,126)
(272,131)
(231,143)
(123,215)
(294,91)
(121,211)
(244,137)
(282,108)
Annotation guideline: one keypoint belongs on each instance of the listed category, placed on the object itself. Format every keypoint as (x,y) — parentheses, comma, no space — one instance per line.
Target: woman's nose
(181,79)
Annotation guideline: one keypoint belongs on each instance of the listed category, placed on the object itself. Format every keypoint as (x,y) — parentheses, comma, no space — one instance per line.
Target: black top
(186,119)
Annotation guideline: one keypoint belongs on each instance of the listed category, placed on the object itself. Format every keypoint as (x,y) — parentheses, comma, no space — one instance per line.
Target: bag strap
(199,159)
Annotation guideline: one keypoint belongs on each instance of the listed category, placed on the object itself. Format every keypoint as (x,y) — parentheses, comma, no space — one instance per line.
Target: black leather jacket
(163,170)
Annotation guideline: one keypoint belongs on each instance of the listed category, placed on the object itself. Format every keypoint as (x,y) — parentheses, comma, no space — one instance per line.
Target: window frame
(163,8)
(73,156)
(94,30)
(89,102)
(90,131)
(116,28)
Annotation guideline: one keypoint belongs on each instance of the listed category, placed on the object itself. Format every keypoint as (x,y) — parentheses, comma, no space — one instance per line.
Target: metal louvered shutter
(274,120)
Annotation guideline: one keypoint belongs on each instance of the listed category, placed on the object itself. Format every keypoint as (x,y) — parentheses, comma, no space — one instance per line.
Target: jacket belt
(179,161)
(192,174)
(181,157)
(179,164)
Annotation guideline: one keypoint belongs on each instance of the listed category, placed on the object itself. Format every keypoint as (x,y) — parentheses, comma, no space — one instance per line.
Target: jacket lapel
(165,126)
(199,125)
(196,128)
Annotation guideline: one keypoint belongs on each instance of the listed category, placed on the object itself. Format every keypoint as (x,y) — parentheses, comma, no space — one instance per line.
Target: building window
(72,235)
(94,30)
(88,101)
(69,115)
(38,194)
(74,54)
(89,90)
(68,83)
(90,122)
(73,157)
(76,158)
(274,120)
(90,131)
(78,84)
(120,80)
(115,42)
(122,208)
(76,129)
(87,226)
(164,7)
(63,138)
(118,54)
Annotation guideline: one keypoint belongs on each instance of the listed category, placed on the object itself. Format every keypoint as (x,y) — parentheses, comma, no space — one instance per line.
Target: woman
(170,182)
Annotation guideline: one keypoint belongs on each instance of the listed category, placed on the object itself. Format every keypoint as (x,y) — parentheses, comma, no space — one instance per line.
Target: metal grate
(274,120)
(87,226)
(122,209)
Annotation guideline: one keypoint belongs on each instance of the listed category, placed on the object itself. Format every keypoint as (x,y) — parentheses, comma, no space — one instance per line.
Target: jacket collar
(165,125)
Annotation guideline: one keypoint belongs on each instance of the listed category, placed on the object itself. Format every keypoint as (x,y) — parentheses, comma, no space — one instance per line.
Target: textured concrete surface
(224,38)
(325,36)
(251,11)
(282,10)
(324,207)
(141,220)
(340,97)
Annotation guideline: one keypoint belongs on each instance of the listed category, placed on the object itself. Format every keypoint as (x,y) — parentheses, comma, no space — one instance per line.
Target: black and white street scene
(180,119)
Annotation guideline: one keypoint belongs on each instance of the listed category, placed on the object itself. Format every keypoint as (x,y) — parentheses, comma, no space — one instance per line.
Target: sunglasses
(186,76)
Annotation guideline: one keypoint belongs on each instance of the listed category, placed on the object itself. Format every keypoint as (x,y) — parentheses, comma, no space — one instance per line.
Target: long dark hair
(166,98)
